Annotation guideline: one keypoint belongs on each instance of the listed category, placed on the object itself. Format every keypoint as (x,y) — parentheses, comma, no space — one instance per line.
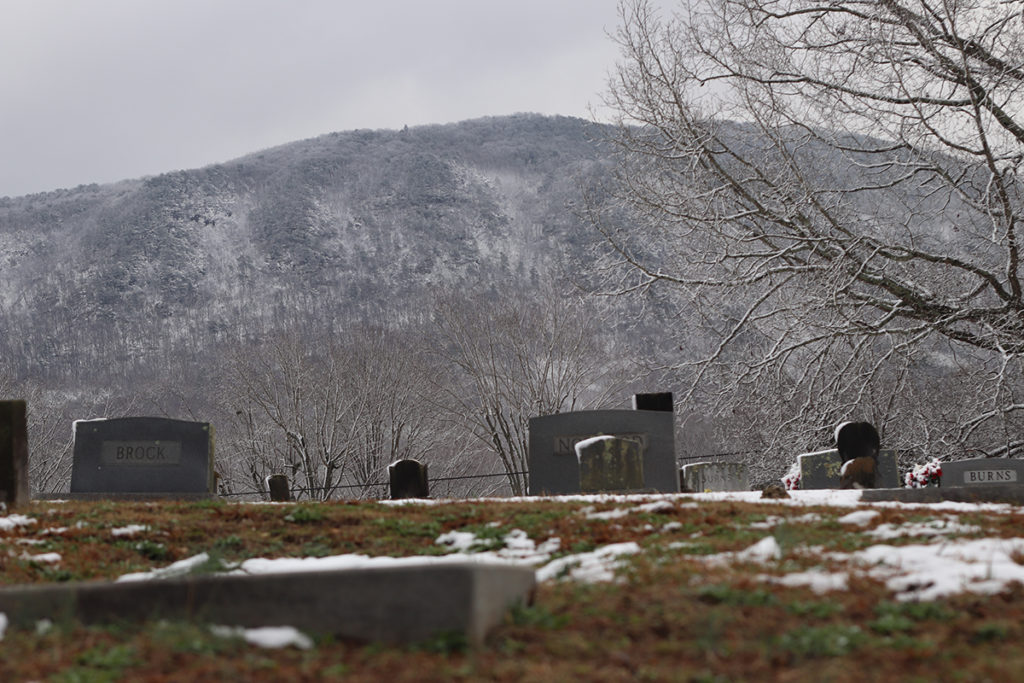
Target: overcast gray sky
(102,90)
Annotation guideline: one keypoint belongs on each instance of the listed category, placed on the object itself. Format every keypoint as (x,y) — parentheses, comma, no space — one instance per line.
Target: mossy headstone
(608,463)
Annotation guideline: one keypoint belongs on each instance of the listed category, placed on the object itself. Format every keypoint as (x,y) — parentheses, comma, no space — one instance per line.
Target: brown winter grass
(668,617)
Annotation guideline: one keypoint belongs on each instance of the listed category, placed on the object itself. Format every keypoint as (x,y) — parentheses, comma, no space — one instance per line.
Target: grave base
(124,496)
(402,604)
(1013,495)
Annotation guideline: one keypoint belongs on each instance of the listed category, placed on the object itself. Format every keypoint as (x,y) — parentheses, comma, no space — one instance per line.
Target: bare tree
(508,359)
(834,189)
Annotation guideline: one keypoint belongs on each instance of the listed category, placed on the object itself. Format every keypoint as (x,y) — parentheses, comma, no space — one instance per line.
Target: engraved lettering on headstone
(566,445)
(140,453)
(989,476)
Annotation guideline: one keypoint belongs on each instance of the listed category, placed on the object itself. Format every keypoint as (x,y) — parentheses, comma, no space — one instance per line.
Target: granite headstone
(555,469)
(408,479)
(822,470)
(715,476)
(14,489)
(608,463)
(983,472)
(143,455)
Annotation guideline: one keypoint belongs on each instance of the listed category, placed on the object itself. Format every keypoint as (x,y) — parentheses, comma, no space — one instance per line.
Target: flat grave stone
(715,476)
(143,456)
(608,463)
(408,602)
(555,469)
(983,472)
(821,470)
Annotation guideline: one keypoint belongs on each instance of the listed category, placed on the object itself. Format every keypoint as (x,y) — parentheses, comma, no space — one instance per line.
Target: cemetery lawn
(715,589)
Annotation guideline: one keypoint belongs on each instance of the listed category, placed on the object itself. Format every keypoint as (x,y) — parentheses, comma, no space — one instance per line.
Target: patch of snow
(43,558)
(765,550)
(817,580)
(14,521)
(672,526)
(935,527)
(130,530)
(270,637)
(860,517)
(773,521)
(458,541)
(179,568)
(610,514)
(595,566)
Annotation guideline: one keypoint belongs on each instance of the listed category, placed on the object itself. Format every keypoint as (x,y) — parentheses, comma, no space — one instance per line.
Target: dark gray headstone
(277,484)
(608,463)
(715,476)
(408,479)
(13,454)
(554,467)
(983,472)
(143,455)
(822,470)
(662,401)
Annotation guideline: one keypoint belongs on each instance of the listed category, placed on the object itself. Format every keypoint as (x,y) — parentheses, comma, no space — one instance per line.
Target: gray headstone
(277,484)
(142,455)
(608,463)
(821,470)
(554,467)
(716,476)
(983,472)
(14,489)
(408,479)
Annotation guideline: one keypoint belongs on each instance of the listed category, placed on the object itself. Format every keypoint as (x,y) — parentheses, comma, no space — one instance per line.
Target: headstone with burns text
(555,468)
(983,472)
(143,456)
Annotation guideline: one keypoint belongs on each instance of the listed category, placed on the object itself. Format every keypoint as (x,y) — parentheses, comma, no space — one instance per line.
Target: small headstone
(608,463)
(139,456)
(715,476)
(14,489)
(662,401)
(774,491)
(823,470)
(983,472)
(554,467)
(277,484)
(408,479)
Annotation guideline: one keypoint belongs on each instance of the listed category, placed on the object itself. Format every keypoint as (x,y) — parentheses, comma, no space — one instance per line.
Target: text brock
(144,453)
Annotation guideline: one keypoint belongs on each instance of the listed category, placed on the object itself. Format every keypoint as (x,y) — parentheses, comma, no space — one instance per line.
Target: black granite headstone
(662,401)
(13,454)
(142,455)
(555,470)
(278,486)
(408,479)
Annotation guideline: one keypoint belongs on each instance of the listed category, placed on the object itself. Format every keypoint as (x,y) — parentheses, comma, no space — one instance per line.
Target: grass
(670,615)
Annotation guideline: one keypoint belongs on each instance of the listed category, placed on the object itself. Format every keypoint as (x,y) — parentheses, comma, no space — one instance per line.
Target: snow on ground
(272,637)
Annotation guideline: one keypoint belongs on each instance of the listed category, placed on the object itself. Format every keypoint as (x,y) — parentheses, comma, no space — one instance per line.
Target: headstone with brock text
(554,467)
(143,455)
(983,472)
(822,470)
(715,476)
(13,454)
(608,463)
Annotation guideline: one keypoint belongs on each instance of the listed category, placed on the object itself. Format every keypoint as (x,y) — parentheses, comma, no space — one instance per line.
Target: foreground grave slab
(1013,495)
(401,604)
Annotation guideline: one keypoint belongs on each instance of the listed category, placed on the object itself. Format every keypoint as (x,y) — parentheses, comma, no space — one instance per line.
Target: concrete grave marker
(715,476)
(143,456)
(608,463)
(821,470)
(555,469)
(983,472)
(277,485)
(14,489)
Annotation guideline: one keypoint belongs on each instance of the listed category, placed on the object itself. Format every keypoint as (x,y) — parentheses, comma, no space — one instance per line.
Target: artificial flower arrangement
(926,474)
(792,478)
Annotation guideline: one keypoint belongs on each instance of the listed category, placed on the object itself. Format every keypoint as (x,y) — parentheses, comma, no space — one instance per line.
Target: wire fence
(370,485)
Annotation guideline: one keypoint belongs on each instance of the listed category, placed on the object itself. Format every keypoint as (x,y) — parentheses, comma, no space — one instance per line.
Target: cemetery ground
(700,587)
